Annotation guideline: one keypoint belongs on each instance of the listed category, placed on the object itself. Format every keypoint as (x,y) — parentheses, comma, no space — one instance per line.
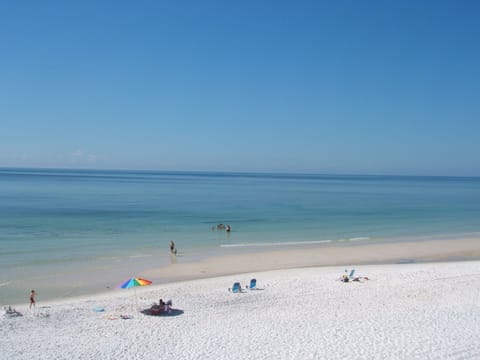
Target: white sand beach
(409,311)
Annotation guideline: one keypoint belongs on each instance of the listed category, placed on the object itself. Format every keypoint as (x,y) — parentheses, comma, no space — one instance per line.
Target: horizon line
(233,172)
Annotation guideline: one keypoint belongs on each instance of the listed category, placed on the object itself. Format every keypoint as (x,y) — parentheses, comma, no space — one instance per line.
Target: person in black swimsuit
(32,298)
(173,249)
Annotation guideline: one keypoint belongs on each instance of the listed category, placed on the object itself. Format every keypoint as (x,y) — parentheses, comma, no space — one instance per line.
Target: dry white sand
(412,311)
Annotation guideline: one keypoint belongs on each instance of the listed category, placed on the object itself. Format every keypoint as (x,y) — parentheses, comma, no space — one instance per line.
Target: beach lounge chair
(253,285)
(236,288)
(9,312)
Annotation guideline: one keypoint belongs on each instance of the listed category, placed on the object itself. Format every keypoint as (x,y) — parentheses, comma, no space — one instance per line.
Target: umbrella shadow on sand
(171,312)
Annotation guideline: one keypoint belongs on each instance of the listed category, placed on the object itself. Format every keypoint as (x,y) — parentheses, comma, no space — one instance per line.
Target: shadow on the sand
(172,312)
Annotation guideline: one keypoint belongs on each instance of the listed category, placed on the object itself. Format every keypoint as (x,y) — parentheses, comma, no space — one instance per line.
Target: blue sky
(373,87)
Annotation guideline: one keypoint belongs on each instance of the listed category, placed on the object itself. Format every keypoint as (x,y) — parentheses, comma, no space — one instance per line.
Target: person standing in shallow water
(173,249)
(32,298)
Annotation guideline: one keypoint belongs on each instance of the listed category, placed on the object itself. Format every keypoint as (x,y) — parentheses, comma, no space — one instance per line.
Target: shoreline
(342,254)
(305,256)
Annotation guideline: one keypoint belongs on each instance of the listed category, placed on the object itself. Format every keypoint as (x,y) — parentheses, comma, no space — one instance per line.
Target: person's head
(33,291)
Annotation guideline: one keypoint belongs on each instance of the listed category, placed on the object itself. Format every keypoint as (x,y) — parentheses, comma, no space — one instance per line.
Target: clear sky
(373,87)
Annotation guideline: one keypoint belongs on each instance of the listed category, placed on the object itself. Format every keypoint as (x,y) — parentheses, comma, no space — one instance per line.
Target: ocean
(69,232)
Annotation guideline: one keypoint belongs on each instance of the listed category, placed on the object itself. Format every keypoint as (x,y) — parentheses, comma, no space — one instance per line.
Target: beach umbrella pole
(134,282)
(136,300)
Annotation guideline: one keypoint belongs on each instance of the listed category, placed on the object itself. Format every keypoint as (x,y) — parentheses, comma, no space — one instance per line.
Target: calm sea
(69,232)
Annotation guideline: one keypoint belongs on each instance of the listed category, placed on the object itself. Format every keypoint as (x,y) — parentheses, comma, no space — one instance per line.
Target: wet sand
(313,256)
(161,268)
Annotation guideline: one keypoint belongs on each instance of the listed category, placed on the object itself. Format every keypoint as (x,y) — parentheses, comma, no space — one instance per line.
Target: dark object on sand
(162,309)
(11,312)
(157,312)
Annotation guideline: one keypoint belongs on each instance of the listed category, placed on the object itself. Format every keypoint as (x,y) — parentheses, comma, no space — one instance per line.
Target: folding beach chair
(236,288)
(253,285)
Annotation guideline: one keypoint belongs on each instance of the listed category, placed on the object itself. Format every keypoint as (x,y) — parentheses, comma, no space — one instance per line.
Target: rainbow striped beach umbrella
(134,282)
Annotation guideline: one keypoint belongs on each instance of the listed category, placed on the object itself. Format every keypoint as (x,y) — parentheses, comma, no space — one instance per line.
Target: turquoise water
(67,224)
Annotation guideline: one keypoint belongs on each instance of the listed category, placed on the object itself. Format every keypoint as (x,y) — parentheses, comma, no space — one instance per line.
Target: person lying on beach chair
(346,277)
(11,312)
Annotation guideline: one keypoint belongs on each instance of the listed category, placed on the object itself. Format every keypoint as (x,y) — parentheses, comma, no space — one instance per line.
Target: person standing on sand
(32,298)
